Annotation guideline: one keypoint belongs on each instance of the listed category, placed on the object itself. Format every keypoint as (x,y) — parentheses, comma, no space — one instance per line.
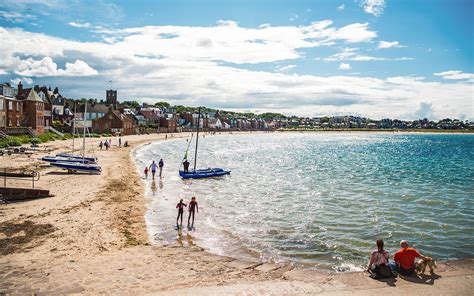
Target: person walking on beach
(153,168)
(193,206)
(405,259)
(186,165)
(146,172)
(161,164)
(101,145)
(110,143)
(120,142)
(106,144)
(180,206)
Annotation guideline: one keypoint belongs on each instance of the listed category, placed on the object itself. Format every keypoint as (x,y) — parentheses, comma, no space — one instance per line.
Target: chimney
(20,88)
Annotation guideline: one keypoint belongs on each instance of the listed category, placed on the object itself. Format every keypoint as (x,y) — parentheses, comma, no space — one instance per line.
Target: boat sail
(200,173)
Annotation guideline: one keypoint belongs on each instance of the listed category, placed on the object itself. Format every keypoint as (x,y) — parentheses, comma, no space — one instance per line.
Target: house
(148,117)
(11,110)
(168,125)
(33,108)
(114,122)
(94,111)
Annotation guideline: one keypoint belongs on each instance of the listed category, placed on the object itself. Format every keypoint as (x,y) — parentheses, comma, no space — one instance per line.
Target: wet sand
(90,238)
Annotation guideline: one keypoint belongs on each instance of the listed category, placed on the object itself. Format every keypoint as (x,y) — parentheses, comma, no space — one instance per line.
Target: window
(10,105)
(1,105)
(2,121)
(17,106)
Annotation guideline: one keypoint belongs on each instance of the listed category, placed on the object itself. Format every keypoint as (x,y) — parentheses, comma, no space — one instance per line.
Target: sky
(404,59)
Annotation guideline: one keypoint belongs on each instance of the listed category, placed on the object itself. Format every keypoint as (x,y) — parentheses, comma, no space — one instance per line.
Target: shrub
(12,142)
(35,141)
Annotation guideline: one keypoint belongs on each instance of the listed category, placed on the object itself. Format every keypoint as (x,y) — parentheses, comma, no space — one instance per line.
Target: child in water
(146,172)
(180,206)
(193,206)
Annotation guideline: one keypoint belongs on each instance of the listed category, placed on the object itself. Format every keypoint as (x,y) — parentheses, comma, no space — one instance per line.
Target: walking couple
(192,207)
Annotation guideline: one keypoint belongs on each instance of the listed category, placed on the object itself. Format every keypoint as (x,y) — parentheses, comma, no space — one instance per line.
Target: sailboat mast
(84,136)
(73,127)
(197,138)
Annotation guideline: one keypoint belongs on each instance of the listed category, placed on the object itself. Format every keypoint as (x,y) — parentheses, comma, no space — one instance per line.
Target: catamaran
(201,173)
(73,163)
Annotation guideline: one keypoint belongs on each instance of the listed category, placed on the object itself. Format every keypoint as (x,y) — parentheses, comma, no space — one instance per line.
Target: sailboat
(201,173)
(70,157)
(79,163)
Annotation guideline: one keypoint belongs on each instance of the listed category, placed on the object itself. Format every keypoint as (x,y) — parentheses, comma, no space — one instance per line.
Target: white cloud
(344,66)
(455,75)
(170,63)
(425,111)
(374,7)
(16,17)
(285,68)
(341,7)
(387,44)
(353,54)
(47,67)
(293,17)
(24,81)
(80,25)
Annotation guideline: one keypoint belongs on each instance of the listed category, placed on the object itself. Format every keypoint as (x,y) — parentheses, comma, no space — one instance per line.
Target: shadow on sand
(421,278)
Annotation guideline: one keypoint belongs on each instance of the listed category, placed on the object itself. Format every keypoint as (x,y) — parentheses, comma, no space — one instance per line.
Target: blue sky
(376,58)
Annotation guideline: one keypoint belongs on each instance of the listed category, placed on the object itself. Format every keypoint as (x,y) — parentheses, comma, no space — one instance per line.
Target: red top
(406,257)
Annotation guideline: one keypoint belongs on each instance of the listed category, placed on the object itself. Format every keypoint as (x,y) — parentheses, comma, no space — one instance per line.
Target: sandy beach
(91,238)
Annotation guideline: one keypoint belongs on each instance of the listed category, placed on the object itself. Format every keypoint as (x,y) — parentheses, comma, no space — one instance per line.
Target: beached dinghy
(63,158)
(202,173)
(68,155)
(78,167)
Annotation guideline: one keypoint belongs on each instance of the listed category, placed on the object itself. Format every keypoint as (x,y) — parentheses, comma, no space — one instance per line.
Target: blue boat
(202,173)
(205,173)
(68,155)
(73,167)
(76,159)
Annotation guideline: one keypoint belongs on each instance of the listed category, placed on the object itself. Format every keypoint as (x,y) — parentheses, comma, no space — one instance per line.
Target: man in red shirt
(405,258)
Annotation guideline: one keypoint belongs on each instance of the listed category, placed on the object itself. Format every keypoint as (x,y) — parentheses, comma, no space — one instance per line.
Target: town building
(114,122)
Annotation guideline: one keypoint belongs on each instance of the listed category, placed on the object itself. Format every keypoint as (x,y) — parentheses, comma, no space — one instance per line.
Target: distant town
(39,109)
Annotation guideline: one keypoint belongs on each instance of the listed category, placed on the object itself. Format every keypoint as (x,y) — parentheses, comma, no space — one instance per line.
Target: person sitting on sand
(180,206)
(193,206)
(146,172)
(378,264)
(153,168)
(186,165)
(405,259)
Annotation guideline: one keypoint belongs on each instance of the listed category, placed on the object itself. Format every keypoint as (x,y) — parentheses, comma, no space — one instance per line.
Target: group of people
(192,208)
(404,261)
(153,167)
(107,144)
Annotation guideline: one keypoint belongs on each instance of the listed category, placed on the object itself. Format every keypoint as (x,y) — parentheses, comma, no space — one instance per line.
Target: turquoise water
(319,199)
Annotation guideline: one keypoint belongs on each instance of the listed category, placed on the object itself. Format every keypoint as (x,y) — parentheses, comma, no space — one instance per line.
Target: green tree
(162,105)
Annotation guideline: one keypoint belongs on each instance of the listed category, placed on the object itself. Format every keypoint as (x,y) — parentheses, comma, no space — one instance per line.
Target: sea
(318,200)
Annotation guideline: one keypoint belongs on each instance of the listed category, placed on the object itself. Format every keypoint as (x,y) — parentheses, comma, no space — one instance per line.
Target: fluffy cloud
(24,80)
(341,7)
(47,67)
(374,7)
(455,75)
(387,44)
(344,66)
(197,66)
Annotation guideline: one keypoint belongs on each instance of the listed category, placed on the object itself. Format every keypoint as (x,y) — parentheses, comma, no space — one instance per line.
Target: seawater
(320,200)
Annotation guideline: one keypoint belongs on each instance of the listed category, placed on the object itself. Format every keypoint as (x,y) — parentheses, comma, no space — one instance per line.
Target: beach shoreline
(91,238)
